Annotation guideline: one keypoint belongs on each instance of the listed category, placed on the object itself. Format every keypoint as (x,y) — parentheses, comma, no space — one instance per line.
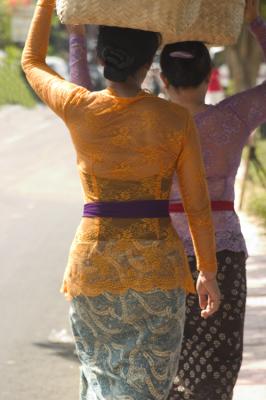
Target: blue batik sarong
(128,344)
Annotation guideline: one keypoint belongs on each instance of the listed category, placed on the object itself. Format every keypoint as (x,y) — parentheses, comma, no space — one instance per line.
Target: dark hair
(123,50)
(188,71)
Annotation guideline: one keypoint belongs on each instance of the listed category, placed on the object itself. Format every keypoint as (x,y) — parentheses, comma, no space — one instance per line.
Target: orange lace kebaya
(127,149)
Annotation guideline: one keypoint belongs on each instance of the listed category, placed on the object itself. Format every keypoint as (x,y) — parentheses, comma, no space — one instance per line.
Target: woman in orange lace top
(127,274)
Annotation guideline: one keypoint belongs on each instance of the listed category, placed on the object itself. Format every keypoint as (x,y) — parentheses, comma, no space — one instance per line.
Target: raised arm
(250,105)
(78,64)
(49,86)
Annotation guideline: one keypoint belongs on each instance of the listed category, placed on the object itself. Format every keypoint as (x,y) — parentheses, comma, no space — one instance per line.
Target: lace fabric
(127,149)
(78,64)
(223,131)
(227,232)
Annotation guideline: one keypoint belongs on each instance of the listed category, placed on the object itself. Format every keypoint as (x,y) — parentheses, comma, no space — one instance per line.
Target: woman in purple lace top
(212,349)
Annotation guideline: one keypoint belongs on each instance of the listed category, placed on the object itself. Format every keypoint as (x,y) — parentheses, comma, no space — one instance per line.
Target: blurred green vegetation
(5,29)
(263,8)
(58,40)
(255,202)
(13,87)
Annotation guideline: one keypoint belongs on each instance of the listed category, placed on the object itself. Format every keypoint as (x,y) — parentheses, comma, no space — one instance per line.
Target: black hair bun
(117,58)
(124,51)
(117,64)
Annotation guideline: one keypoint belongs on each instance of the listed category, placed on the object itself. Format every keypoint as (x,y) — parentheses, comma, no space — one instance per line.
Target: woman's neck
(197,108)
(194,107)
(125,89)
(193,99)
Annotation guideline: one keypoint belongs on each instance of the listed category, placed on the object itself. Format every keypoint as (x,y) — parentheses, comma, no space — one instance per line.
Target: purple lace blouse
(223,129)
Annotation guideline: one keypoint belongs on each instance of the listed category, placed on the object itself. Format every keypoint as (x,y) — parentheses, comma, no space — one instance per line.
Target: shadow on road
(63,350)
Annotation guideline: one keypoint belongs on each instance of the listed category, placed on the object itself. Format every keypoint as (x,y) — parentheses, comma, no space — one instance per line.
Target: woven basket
(178,20)
(218,22)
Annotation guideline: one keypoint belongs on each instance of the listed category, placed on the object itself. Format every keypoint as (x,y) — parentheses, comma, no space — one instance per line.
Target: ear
(165,80)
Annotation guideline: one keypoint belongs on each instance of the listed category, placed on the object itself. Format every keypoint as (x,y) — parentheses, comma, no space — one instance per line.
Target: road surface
(40,208)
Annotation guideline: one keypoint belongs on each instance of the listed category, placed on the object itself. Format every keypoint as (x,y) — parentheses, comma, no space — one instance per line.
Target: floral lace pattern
(223,131)
(80,59)
(127,149)
(227,232)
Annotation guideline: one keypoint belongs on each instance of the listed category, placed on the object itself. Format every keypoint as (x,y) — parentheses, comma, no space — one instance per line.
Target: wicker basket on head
(166,16)
(218,22)
(210,21)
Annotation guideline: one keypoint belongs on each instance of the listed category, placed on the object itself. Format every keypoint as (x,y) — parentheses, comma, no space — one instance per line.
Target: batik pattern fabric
(127,149)
(212,349)
(128,345)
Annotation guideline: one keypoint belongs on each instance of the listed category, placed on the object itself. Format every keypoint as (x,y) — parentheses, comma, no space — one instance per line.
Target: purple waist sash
(127,209)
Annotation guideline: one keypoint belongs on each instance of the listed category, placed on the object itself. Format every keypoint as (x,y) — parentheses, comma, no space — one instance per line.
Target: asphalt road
(40,207)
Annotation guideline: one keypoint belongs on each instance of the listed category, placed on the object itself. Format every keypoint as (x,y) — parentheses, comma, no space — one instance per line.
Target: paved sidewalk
(252,380)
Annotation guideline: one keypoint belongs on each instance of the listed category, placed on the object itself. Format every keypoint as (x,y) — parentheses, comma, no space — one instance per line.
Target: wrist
(207,276)
(76,30)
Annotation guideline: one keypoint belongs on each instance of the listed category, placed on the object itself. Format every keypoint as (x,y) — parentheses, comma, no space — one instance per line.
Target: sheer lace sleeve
(78,64)
(49,86)
(194,192)
(250,105)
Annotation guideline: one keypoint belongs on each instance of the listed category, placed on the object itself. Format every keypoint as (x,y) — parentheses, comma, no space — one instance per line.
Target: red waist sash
(215,206)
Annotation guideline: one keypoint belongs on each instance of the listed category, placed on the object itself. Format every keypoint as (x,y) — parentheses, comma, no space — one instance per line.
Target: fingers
(209,296)
(211,308)
(213,290)
(203,301)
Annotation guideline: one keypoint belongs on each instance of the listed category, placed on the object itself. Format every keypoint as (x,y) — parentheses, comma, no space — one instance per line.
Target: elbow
(27,62)
(24,63)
